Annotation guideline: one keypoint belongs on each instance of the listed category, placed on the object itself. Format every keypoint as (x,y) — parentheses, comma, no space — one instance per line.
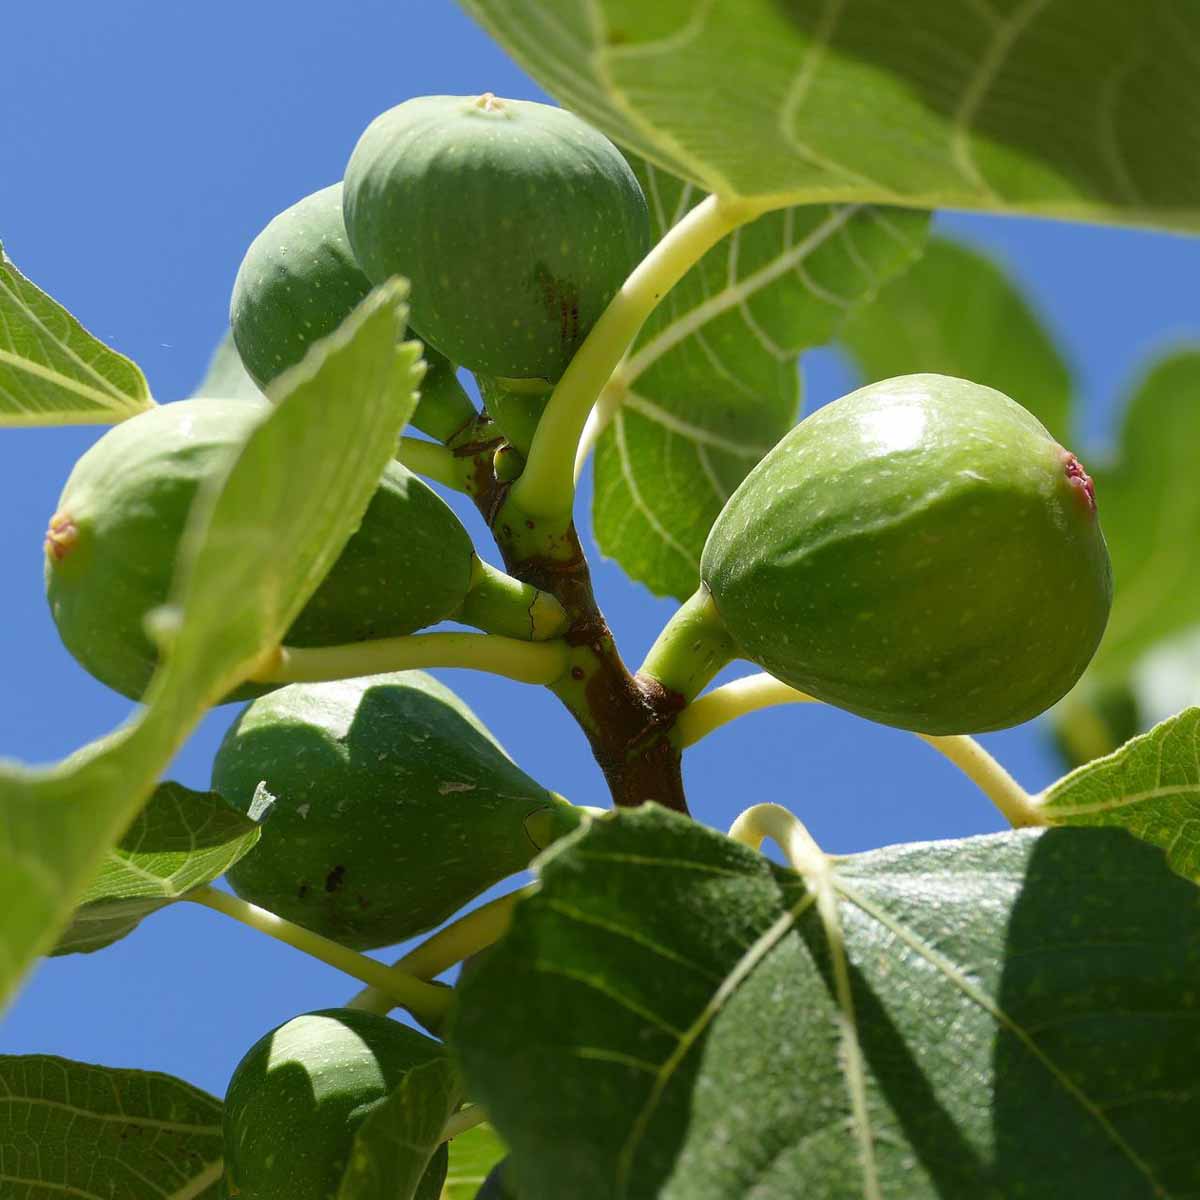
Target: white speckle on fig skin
(62,534)
(1079,479)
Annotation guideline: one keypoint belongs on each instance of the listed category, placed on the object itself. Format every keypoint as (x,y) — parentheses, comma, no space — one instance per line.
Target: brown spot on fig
(334,879)
(61,536)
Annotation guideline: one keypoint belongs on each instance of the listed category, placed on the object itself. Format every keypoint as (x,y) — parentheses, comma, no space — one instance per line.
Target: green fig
(299,1095)
(297,283)
(516,223)
(113,542)
(921,552)
(390,806)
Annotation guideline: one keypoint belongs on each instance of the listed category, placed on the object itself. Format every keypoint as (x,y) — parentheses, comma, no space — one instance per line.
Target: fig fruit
(391,806)
(112,544)
(297,283)
(515,222)
(298,1096)
(921,552)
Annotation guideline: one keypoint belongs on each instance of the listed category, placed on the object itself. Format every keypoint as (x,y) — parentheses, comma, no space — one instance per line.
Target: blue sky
(142,146)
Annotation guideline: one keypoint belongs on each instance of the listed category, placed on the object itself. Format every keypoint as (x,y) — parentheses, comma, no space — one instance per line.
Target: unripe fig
(921,552)
(391,806)
(297,283)
(112,544)
(300,1093)
(516,223)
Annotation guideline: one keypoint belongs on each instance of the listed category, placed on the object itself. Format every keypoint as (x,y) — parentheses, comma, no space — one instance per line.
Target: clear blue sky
(142,146)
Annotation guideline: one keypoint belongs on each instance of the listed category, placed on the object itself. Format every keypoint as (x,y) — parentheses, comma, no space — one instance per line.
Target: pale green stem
(692,647)
(546,488)
(424,1000)
(1014,802)
(806,857)
(459,940)
(433,461)
(459,1122)
(743,696)
(498,603)
(773,821)
(732,700)
(526,662)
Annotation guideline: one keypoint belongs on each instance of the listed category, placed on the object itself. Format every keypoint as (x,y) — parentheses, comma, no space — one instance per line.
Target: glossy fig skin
(299,1094)
(113,543)
(516,223)
(920,552)
(392,806)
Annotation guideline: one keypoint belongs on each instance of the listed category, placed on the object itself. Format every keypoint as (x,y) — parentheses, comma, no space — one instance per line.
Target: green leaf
(1150,509)
(1071,109)
(1013,1015)
(1150,787)
(52,371)
(711,383)
(71,1129)
(398,1152)
(472,1156)
(259,542)
(225,377)
(958,313)
(180,840)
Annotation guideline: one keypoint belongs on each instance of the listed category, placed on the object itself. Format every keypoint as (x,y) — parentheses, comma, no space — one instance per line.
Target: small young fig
(391,806)
(921,552)
(113,542)
(515,221)
(299,1095)
(297,283)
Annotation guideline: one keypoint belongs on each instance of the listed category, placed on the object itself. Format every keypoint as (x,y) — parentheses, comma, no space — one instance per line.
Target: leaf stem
(762,821)
(425,1001)
(526,662)
(466,1118)
(433,461)
(1014,802)
(732,700)
(546,488)
(755,692)
(468,935)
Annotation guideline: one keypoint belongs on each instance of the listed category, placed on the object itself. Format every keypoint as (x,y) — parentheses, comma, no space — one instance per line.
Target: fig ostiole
(113,542)
(921,552)
(298,1096)
(516,223)
(389,806)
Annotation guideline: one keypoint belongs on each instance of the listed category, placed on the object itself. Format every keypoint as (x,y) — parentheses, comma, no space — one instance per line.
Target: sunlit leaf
(1063,108)
(672,1016)
(70,1129)
(52,371)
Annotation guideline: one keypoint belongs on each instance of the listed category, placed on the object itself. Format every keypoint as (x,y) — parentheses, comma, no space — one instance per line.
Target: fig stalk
(692,647)
(498,603)
(433,461)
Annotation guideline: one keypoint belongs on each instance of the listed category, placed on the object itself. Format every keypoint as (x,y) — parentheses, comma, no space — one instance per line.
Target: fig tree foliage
(662,1010)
